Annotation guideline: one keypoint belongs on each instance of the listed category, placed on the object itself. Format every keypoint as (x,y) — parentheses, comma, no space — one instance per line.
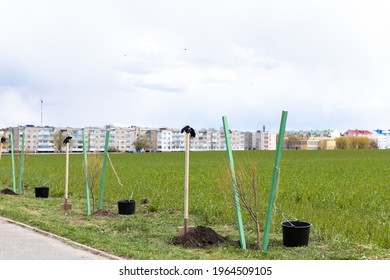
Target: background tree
(322,145)
(342,143)
(58,139)
(141,143)
(292,142)
(364,143)
(374,144)
(359,143)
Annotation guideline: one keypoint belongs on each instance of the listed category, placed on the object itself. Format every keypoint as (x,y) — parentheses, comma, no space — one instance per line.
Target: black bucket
(42,192)
(126,207)
(295,233)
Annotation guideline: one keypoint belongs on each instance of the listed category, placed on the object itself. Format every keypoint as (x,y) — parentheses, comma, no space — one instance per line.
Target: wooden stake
(66,206)
(186,179)
(190,132)
(21,169)
(13,161)
(67,173)
(86,175)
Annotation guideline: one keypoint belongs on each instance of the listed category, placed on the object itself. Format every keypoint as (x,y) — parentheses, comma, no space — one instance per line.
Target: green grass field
(344,194)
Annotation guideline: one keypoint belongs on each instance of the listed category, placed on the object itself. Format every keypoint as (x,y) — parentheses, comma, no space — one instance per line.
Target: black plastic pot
(126,207)
(42,192)
(295,233)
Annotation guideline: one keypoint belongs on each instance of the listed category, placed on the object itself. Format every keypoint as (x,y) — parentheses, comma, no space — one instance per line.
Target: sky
(173,63)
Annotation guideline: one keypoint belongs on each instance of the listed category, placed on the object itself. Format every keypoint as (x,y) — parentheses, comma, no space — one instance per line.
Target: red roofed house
(360,133)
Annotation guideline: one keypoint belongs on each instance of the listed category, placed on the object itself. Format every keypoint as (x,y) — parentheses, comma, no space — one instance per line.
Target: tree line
(354,143)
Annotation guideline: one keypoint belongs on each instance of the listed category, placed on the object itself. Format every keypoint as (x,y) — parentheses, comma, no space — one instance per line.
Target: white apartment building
(383,138)
(262,140)
(95,138)
(165,140)
(172,140)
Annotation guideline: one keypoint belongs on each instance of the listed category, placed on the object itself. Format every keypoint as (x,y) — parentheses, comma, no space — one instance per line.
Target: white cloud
(169,63)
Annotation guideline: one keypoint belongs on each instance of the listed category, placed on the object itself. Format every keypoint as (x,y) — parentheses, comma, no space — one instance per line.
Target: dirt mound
(8,191)
(104,213)
(202,237)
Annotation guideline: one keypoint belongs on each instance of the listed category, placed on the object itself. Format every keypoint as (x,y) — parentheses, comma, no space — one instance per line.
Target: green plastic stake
(21,167)
(234,184)
(13,161)
(274,183)
(100,203)
(86,175)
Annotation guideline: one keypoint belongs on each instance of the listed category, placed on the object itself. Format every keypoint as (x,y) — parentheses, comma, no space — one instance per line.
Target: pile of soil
(202,238)
(104,213)
(8,191)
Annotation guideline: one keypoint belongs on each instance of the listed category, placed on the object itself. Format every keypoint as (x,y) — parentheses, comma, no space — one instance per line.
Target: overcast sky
(174,62)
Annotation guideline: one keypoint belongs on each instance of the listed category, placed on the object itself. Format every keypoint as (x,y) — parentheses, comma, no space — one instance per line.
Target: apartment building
(262,140)
(36,138)
(94,138)
(168,140)
(121,139)
(172,140)
(383,138)
(48,139)
(214,140)
(124,137)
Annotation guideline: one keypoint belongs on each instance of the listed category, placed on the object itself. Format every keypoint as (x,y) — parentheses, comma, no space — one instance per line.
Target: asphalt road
(22,242)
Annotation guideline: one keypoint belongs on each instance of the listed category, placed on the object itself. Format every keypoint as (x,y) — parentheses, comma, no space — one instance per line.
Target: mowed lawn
(345,195)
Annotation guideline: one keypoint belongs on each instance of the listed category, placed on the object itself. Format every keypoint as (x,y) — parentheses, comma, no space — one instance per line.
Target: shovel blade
(190,229)
(66,207)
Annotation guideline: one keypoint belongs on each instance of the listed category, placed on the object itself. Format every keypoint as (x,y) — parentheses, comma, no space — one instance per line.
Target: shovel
(189,132)
(66,206)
